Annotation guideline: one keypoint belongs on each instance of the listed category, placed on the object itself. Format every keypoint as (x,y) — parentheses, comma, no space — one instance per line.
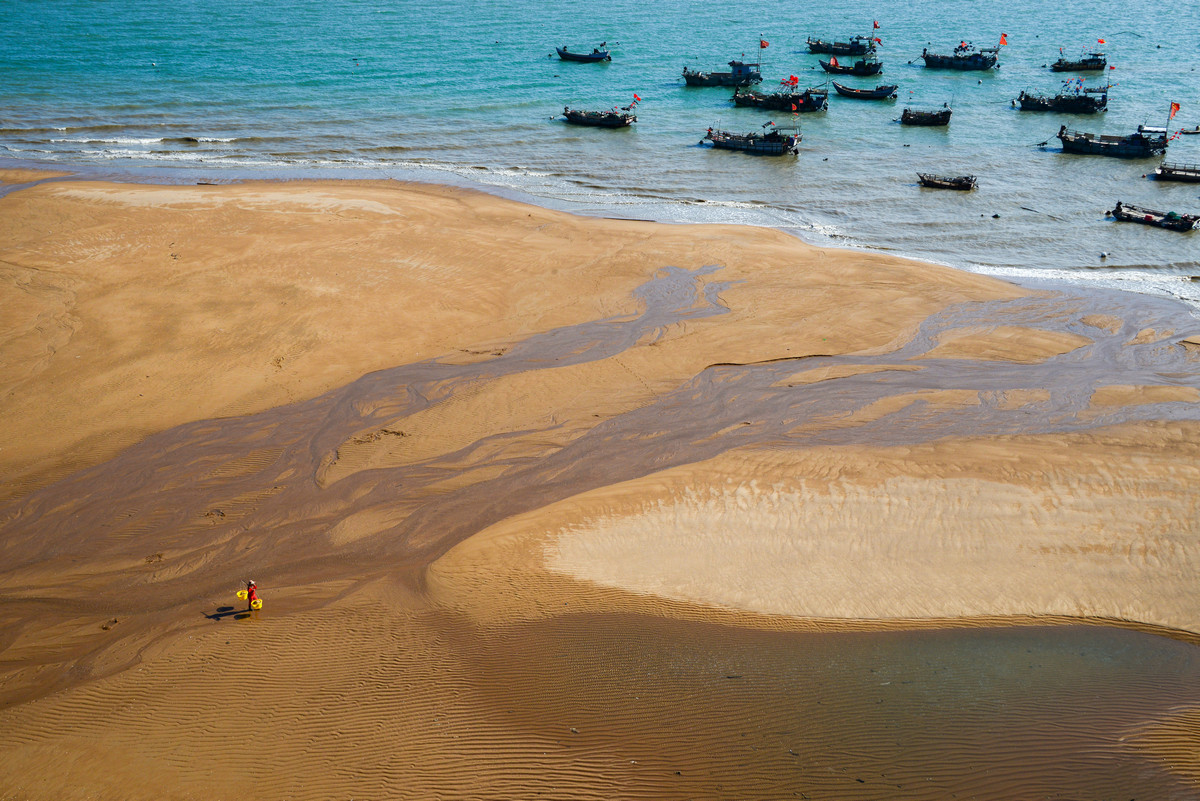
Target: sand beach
(552,506)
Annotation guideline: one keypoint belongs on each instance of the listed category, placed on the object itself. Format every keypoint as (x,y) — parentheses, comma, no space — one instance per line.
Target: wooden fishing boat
(1162,219)
(597,54)
(775,142)
(1189,173)
(1079,101)
(740,74)
(599,119)
(799,102)
(857,46)
(863,66)
(1144,143)
(964,57)
(912,116)
(882,92)
(961,182)
(1092,61)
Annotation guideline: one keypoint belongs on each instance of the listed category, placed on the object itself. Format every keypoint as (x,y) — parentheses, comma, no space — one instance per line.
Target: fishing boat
(740,74)
(1189,131)
(1161,219)
(1091,61)
(597,54)
(600,119)
(912,116)
(864,66)
(882,92)
(774,142)
(961,182)
(1189,173)
(1144,143)
(1073,99)
(964,57)
(787,100)
(857,46)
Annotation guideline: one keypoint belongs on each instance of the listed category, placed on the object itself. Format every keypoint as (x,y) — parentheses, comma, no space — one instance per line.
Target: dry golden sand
(676,511)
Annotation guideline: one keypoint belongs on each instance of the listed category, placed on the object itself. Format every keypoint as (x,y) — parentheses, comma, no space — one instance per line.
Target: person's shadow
(225,611)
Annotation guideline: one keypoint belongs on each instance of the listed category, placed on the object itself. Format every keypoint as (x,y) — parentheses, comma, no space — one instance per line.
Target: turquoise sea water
(467,93)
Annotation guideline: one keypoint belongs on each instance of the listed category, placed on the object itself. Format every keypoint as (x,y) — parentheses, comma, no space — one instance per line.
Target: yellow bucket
(242,594)
(256,603)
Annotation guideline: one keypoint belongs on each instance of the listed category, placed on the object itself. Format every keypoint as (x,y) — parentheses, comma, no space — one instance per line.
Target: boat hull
(878,93)
(755,144)
(1188,173)
(1068,104)
(859,46)
(800,102)
(960,182)
(1083,65)
(857,68)
(599,119)
(1135,146)
(567,55)
(719,79)
(1158,219)
(974,61)
(925,118)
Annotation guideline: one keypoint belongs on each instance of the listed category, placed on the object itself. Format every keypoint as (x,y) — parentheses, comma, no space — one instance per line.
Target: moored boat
(882,92)
(775,142)
(857,46)
(1189,173)
(740,74)
(961,182)
(913,116)
(1143,143)
(964,57)
(1089,62)
(599,119)
(597,54)
(1073,99)
(1170,220)
(799,102)
(864,66)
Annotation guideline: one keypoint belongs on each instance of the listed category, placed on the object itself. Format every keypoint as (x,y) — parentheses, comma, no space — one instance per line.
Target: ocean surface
(468,94)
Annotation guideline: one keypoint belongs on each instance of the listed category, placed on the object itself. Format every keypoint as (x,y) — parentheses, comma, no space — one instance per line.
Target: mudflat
(544,504)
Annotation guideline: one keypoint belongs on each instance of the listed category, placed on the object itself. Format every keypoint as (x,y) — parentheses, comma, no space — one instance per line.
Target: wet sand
(581,508)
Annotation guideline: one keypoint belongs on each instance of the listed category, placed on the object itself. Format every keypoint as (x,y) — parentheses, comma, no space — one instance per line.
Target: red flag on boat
(1174,108)
(875,26)
(1004,38)
(793,80)
(635,97)
(794,107)
(1101,41)
(763,43)
(833,61)
(878,41)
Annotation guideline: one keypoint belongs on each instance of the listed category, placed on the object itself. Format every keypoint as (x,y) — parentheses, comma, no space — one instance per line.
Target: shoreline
(460,178)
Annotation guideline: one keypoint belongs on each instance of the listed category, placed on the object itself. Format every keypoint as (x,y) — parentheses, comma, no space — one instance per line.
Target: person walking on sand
(251,594)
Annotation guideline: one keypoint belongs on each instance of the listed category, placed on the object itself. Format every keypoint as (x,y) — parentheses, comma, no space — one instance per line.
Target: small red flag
(635,97)
(763,43)
(833,61)
(1101,41)
(878,40)
(876,25)
(1112,68)
(793,107)
(1004,38)
(1174,108)
(793,80)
